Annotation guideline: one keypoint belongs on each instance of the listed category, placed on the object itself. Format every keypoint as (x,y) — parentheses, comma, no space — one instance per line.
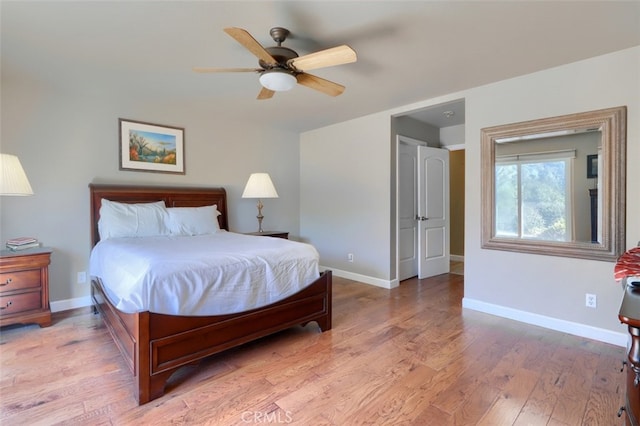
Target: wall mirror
(556,186)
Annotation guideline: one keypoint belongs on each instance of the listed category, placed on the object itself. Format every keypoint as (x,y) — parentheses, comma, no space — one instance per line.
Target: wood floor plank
(433,416)
(406,356)
(571,405)
(401,402)
(476,405)
(543,399)
(509,403)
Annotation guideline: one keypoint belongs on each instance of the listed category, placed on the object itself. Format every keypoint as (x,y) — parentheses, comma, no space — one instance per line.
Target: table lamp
(259,186)
(13,180)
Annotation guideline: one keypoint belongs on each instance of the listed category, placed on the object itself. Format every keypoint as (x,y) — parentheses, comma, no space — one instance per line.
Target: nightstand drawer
(18,280)
(20,303)
(24,286)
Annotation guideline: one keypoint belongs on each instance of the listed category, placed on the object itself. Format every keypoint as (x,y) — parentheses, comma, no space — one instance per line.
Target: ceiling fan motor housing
(281,55)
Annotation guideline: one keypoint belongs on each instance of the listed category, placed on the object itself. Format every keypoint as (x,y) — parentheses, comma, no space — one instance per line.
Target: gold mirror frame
(612,124)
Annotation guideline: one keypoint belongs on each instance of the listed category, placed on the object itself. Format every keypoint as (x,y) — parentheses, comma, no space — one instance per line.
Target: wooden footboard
(155,345)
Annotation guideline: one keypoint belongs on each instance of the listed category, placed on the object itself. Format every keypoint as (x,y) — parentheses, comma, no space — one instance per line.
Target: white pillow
(132,220)
(193,220)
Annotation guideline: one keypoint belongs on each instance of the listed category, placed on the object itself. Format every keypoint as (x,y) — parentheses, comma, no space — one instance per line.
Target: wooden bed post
(325,321)
(142,372)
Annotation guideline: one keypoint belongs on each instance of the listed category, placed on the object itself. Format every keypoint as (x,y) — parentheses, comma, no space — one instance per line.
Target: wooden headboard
(172,197)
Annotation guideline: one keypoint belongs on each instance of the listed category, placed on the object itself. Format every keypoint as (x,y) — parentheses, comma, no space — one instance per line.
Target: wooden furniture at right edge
(630,315)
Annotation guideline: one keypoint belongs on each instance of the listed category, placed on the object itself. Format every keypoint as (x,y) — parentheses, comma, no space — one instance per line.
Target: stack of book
(22,243)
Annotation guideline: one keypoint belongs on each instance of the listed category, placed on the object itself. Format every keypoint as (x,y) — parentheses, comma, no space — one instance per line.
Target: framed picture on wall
(147,147)
(592,166)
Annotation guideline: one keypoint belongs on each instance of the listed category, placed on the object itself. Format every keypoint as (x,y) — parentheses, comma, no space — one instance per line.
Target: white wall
(452,135)
(412,128)
(66,140)
(344,196)
(342,160)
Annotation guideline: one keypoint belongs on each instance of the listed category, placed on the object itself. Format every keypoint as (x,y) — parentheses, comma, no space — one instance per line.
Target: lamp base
(260,217)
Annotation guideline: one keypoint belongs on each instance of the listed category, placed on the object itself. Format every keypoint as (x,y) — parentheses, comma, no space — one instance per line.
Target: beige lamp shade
(13,180)
(259,185)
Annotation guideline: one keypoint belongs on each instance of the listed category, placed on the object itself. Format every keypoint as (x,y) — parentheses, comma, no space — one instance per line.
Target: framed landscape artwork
(147,147)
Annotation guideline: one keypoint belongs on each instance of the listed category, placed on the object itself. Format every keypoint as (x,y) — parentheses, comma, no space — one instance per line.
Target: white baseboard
(65,305)
(456,258)
(388,284)
(582,330)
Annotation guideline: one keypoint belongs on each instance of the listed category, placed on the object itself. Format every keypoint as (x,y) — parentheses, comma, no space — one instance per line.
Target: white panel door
(407,210)
(433,211)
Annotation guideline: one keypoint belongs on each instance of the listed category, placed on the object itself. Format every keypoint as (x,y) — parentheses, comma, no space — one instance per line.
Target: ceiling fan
(281,68)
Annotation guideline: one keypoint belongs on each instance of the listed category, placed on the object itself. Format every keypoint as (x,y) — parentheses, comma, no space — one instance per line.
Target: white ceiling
(407,51)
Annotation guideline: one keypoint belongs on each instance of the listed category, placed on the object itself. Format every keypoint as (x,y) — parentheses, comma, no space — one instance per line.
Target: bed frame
(154,345)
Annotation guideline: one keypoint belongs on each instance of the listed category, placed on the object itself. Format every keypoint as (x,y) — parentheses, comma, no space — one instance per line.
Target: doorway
(423,209)
(443,126)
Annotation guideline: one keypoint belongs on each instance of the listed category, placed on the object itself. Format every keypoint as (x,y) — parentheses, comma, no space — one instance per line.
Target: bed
(155,345)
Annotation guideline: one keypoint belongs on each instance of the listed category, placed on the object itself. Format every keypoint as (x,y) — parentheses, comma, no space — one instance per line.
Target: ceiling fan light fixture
(278,80)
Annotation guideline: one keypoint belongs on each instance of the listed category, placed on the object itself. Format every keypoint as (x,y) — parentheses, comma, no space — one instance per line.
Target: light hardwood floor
(409,356)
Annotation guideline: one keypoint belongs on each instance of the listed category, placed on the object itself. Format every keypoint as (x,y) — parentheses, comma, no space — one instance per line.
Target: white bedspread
(213,274)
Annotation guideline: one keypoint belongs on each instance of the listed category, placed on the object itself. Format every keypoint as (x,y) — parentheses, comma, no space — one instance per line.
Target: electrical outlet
(350,257)
(82,277)
(591,300)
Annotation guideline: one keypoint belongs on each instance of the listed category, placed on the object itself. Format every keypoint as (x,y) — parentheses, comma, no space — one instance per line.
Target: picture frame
(148,147)
(592,166)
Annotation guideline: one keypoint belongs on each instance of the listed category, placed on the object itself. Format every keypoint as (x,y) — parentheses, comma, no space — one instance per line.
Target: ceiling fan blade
(320,84)
(250,43)
(325,58)
(206,70)
(265,94)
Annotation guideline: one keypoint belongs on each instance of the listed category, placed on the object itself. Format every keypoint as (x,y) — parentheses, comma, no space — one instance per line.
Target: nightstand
(24,286)
(277,234)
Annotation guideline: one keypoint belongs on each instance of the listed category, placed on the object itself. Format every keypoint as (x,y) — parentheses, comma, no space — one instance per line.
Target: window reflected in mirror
(542,188)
